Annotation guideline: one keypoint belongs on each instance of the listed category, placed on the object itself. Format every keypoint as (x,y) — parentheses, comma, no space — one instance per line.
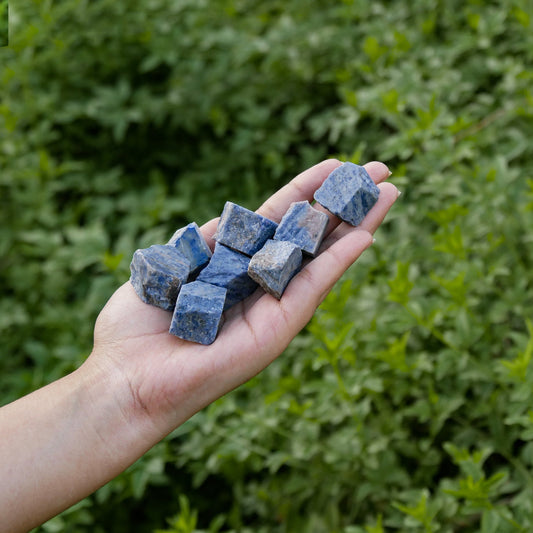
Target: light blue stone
(348,193)
(198,312)
(304,226)
(229,269)
(191,243)
(275,265)
(157,274)
(243,230)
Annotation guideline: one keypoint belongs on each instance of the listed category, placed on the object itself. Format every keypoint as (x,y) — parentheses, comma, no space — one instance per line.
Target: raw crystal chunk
(157,274)
(229,269)
(191,243)
(348,193)
(243,230)
(198,312)
(275,265)
(304,226)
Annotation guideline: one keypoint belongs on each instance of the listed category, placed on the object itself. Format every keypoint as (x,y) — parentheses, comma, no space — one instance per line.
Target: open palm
(169,378)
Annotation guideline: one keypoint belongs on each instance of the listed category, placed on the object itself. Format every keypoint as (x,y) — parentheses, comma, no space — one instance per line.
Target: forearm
(62,442)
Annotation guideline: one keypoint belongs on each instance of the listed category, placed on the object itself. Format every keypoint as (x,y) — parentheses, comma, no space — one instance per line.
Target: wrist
(114,413)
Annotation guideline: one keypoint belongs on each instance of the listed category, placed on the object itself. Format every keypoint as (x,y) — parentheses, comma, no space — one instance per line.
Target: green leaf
(400,286)
(517,368)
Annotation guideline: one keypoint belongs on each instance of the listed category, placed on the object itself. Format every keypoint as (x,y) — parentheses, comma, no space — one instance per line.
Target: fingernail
(373,241)
(399,194)
(390,173)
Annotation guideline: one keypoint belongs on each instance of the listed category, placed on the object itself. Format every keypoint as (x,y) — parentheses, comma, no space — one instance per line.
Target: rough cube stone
(275,265)
(348,193)
(304,226)
(243,230)
(229,269)
(191,243)
(198,312)
(157,274)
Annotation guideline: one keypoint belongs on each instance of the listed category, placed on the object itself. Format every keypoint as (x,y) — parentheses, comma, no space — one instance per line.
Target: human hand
(63,441)
(169,379)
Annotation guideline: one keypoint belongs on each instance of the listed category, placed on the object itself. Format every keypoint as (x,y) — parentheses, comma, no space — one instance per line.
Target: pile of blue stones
(197,285)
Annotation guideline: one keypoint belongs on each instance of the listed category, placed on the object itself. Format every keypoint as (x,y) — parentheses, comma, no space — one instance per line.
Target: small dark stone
(198,312)
(348,193)
(275,265)
(243,230)
(229,269)
(304,226)
(157,274)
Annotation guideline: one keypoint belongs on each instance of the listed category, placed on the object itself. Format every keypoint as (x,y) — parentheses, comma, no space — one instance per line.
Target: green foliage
(4,19)
(185,521)
(406,403)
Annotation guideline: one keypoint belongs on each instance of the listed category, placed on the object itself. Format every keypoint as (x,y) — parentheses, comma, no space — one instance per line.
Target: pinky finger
(309,287)
(305,292)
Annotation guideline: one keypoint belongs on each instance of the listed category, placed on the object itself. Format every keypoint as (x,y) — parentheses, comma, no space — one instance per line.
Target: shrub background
(3,22)
(406,403)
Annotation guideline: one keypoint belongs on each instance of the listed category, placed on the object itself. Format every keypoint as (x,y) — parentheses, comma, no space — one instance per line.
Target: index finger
(301,188)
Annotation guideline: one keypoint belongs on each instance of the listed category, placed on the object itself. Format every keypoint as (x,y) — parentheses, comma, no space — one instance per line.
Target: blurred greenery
(3,22)
(406,404)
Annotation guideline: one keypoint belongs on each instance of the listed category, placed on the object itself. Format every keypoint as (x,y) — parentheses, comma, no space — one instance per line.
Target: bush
(406,403)
(3,23)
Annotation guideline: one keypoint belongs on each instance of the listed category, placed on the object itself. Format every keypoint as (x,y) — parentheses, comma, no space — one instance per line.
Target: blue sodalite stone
(348,193)
(243,230)
(198,312)
(304,226)
(191,243)
(229,269)
(157,274)
(275,265)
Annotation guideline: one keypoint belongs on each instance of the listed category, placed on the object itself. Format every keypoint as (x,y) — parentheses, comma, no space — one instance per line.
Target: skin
(64,441)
